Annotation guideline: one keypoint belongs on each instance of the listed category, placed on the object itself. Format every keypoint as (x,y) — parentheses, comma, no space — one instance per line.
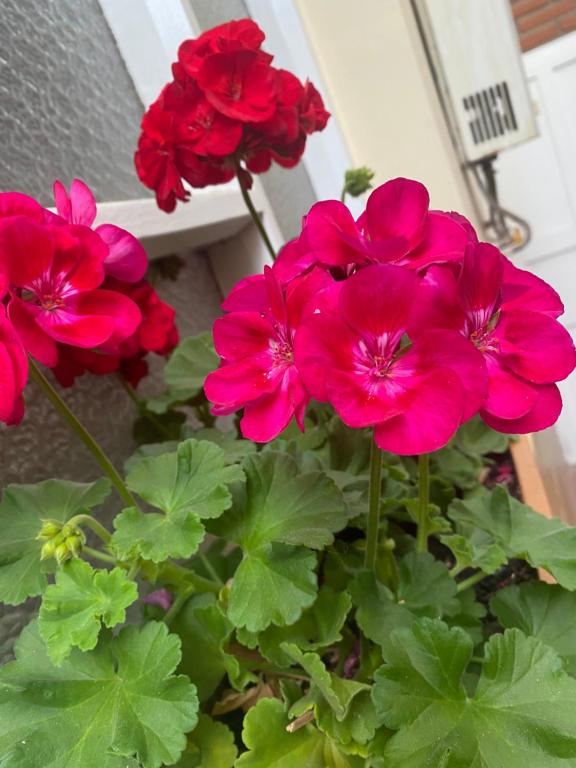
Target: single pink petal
(464,223)
(82,204)
(26,248)
(78,256)
(62,201)
(432,414)
(161,597)
(265,418)
(398,209)
(17,204)
(39,344)
(8,389)
(126,260)
(78,330)
(523,290)
(234,384)
(444,239)
(242,334)
(249,295)
(293,260)
(436,302)
(509,396)
(480,281)
(379,300)
(11,342)
(124,312)
(450,350)
(364,400)
(322,344)
(535,346)
(304,291)
(331,235)
(543,414)
(276,304)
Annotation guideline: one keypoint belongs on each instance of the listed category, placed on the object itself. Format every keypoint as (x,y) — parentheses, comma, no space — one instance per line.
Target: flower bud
(61,553)
(357,181)
(48,550)
(50,528)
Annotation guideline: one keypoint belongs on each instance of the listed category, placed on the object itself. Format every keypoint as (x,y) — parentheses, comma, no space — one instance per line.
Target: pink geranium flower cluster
(227,112)
(402,320)
(63,286)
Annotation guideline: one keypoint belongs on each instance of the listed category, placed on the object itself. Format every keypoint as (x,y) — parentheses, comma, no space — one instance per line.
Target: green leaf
(318,627)
(281,504)
(272,586)
(119,700)
(545,611)
(460,469)
(473,548)
(82,599)
(467,614)
(425,589)
(192,360)
(192,480)
(521,532)
(210,745)
(278,509)
(154,536)
(22,510)
(205,631)
(520,716)
(187,485)
(271,746)
(475,437)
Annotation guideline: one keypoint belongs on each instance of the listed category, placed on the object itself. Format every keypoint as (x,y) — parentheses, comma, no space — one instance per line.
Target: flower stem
(99,555)
(93,524)
(471,581)
(423,502)
(180,600)
(373,507)
(81,431)
(256,219)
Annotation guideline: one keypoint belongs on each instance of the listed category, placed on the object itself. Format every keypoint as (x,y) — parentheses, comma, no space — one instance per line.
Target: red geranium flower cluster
(401,320)
(227,112)
(66,288)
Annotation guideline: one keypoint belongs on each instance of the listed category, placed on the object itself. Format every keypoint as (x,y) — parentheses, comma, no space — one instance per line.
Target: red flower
(13,373)
(350,352)
(509,316)
(54,274)
(126,257)
(157,333)
(396,228)
(255,343)
(227,113)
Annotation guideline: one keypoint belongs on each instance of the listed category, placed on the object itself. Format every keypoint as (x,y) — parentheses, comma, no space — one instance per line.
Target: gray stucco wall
(67,104)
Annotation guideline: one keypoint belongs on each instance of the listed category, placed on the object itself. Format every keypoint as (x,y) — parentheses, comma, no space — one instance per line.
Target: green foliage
(188,485)
(210,745)
(545,611)
(519,716)
(82,599)
(357,181)
(116,701)
(520,532)
(271,746)
(192,360)
(275,515)
(22,512)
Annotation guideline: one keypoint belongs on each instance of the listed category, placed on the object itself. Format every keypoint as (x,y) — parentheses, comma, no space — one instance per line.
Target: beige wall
(382,93)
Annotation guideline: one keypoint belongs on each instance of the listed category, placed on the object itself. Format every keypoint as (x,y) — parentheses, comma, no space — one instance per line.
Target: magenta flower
(255,343)
(13,372)
(126,259)
(509,315)
(352,351)
(396,228)
(54,274)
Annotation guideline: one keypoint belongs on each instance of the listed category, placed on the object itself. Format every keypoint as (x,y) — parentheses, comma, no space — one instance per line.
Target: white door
(537,180)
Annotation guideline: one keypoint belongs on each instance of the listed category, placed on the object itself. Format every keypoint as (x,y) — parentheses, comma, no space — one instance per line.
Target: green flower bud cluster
(62,541)
(357,181)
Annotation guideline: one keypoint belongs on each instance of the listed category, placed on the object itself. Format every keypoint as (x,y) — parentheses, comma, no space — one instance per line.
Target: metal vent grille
(490,113)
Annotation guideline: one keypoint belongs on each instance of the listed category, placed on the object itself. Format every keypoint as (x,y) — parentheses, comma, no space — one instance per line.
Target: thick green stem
(257,220)
(471,581)
(373,507)
(179,601)
(178,576)
(423,502)
(93,524)
(94,553)
(82,433)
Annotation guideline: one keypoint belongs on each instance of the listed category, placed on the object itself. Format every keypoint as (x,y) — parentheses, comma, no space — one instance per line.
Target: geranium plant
(343,576)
